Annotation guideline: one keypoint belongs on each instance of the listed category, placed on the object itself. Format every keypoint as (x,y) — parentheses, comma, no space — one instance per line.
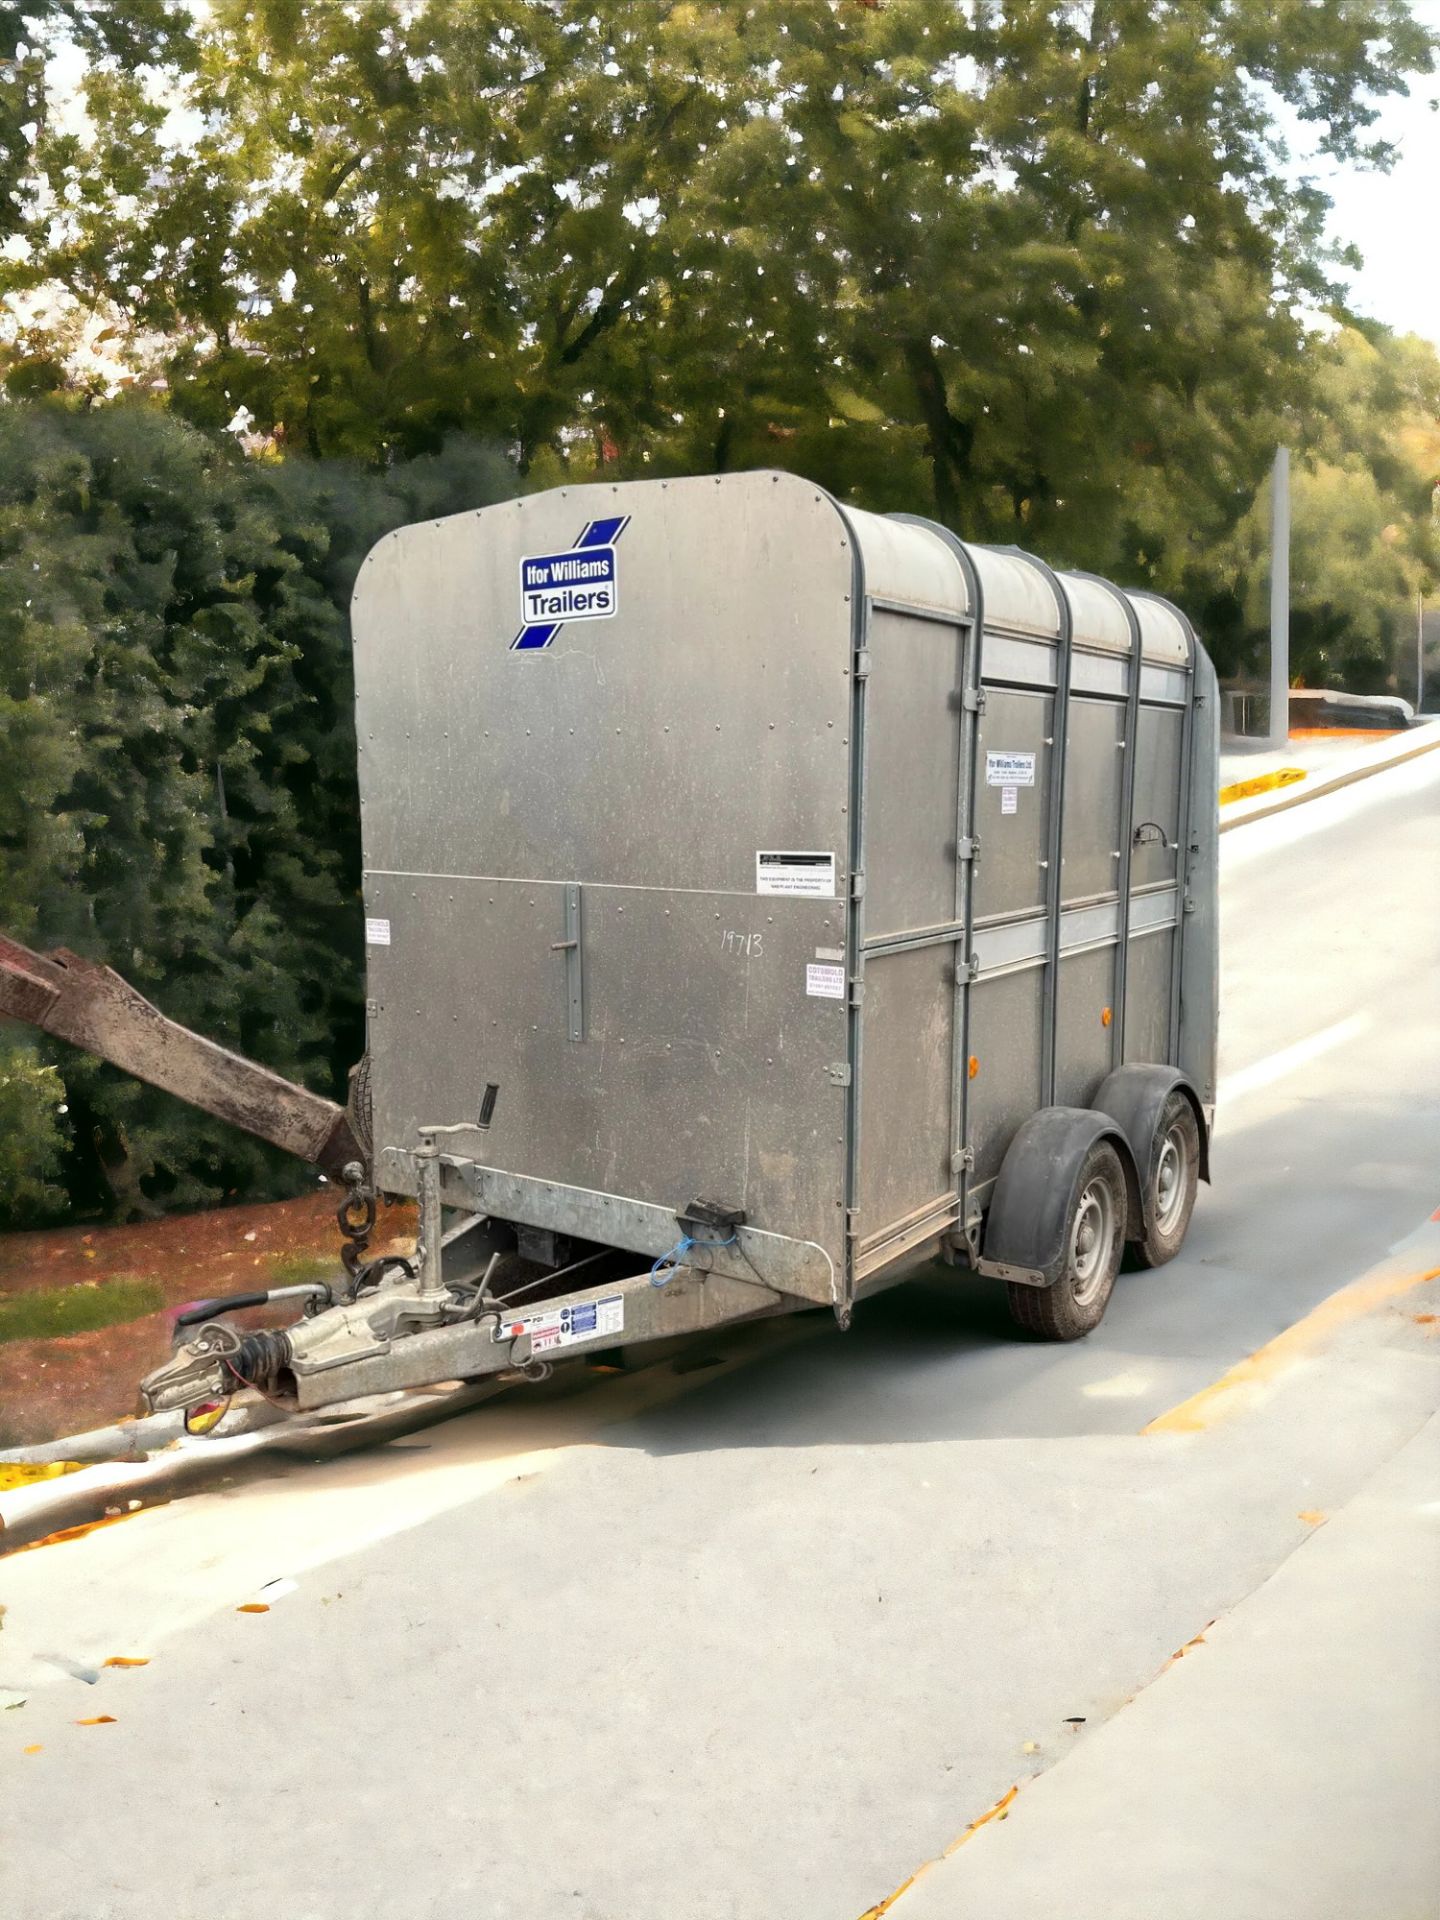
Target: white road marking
(1277,1066)
(1120,1386)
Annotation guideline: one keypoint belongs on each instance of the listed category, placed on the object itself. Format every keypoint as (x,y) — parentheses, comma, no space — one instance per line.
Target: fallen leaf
(1031,1746)
(31,1749)
(253,1606)
(72,1533)
(126,1660)
(98,1720)
(1312,1516)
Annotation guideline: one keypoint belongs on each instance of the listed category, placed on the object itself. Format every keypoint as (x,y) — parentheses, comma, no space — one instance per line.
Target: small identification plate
(825,983)
(1009,769)
(811,875)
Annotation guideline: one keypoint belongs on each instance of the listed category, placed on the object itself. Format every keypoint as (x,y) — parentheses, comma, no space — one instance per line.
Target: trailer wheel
(1094,1241)
(1169,1199)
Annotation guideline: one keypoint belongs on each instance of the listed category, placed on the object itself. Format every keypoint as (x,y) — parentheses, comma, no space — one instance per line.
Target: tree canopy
(1018,262)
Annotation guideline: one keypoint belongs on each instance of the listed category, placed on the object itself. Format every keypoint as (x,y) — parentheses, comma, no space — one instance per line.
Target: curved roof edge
(910,561)
(1018,590)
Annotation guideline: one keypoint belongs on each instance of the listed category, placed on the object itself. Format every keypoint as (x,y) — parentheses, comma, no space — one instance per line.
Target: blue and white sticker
(552,1327)
(579,583)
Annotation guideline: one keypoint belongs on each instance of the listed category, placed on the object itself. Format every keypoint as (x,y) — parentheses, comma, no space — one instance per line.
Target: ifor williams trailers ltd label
(1009,769)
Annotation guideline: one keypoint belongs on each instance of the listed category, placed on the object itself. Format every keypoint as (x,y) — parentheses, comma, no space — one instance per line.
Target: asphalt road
(760,1634)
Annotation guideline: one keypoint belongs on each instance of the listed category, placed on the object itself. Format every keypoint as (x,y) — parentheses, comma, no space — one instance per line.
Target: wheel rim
(1170,1182)
(1092,1237)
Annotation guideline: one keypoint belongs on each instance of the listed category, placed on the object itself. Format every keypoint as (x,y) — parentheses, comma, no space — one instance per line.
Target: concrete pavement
(1281,1765)
(763,1637)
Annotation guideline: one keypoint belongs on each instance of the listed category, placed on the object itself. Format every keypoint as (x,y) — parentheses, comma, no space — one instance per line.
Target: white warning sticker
(566,1326)
(1009,769)
(377,933)
(809,874)
(1009,797)
(825,983)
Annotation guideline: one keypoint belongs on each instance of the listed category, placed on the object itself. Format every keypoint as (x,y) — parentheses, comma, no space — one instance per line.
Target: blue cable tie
(669,1264)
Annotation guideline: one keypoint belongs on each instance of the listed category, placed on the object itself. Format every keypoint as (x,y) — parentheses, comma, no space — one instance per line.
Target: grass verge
(48,1312)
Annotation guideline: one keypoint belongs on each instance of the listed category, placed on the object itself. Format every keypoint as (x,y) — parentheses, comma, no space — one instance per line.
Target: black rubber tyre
(1174,1181)
(1095,1240)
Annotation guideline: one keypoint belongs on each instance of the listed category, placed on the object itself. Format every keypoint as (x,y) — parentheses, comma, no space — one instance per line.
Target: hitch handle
(233,1302)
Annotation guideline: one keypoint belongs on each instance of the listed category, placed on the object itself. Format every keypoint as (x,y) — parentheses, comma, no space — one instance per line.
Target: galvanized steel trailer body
(800,864)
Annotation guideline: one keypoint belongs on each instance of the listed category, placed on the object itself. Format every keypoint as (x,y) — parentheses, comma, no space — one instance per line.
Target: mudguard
(1038,1185)
(1134,1098)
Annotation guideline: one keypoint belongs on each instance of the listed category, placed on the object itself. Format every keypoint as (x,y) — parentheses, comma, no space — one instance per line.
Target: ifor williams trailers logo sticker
(582,583)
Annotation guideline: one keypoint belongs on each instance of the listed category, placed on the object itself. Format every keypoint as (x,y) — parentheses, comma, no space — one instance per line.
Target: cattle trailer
(763,899)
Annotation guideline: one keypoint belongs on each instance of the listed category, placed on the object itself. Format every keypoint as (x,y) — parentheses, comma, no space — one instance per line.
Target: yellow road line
(1260,783)
(999,1811)
(1323,781)
(1237,1387)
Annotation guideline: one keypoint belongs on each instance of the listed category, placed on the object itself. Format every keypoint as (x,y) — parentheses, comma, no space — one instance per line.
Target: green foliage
(1364,540)
(32,1098)
(1036,269)
(48,1313)
(177,763)
(114,39)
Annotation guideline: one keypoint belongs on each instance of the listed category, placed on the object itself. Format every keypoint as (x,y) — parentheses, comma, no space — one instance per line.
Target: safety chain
(356,1216)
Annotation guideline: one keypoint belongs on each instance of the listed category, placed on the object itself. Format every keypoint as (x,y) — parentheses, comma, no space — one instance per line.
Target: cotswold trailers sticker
(825,983)
(811,874)
(581,583)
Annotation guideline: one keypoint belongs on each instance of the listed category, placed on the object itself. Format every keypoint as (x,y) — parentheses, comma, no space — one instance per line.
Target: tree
(113,39)
(177,768)
(1039,270)
(1363,540)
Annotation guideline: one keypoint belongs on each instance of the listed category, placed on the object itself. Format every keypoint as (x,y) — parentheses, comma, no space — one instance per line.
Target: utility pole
(1280,599)
(1419,648)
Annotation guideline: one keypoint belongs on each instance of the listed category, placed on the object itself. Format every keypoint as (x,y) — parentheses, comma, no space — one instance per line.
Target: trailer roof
(911,561)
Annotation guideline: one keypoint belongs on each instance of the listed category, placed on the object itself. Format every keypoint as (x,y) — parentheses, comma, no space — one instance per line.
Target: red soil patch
(53,1387)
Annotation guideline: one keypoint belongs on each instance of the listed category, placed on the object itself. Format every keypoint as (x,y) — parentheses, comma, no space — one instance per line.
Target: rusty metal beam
(93,1008)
